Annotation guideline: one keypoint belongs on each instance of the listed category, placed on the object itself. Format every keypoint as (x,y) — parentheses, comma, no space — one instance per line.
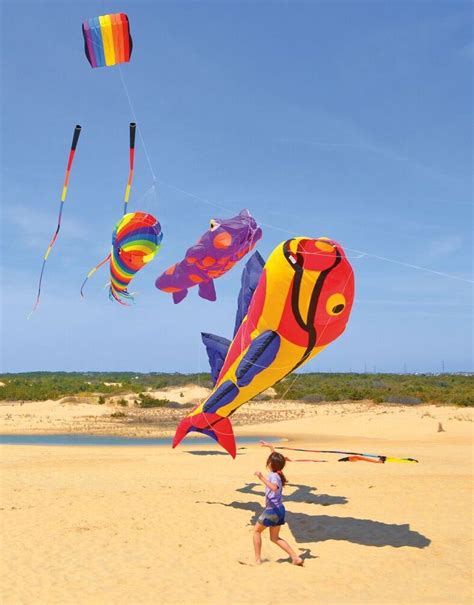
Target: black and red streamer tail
(133,129)
(72,152)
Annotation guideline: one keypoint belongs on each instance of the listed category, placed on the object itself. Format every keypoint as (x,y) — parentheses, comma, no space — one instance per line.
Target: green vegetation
(39,386)
(146,401)
(392,388)
(313,388)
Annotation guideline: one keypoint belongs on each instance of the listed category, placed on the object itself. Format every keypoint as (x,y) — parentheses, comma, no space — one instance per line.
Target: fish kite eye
(336,304)
(214,225)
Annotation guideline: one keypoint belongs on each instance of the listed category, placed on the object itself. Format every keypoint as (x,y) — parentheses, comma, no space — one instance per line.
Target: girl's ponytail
(284,480)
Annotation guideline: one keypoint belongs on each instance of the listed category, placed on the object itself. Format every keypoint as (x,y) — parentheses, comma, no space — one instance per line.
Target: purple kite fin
(249,282)
(217,427)
(207,290)
(216,347)
(179,296)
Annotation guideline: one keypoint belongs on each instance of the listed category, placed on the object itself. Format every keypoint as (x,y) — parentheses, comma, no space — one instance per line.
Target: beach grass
(408,389)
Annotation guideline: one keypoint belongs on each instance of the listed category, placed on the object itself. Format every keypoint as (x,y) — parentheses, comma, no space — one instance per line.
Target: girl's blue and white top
(274,499)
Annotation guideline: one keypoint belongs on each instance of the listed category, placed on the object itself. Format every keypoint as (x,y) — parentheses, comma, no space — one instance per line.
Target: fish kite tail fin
(217,427)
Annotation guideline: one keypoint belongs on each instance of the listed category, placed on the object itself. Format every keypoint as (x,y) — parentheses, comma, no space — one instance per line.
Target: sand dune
(185,394)
(152,525)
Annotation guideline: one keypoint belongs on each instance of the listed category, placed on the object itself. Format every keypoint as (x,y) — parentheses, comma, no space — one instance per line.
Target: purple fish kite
(216,252)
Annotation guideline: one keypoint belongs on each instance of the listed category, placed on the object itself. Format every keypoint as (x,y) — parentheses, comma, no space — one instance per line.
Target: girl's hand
(258,474)
(264,444)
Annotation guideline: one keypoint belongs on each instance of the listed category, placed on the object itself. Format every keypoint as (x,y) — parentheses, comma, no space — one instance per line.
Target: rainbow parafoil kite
(107,40)
(216,252)
(135,241)
(301,303)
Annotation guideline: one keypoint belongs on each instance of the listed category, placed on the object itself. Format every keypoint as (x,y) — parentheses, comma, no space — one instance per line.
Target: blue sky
(350,120)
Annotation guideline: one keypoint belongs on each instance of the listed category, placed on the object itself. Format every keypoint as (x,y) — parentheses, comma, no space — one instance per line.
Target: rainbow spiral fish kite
(135,241)
(107,40)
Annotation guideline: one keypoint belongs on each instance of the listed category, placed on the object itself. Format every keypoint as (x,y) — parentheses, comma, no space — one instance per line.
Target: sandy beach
(101,525)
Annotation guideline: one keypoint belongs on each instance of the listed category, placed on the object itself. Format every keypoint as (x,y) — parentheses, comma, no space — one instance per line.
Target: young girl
(273,515)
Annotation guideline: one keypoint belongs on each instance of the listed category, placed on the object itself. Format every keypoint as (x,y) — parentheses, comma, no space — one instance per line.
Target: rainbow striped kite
(135,241)
(107,40)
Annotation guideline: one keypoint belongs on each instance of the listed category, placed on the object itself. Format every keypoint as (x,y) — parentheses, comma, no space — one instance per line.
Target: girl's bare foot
(258,561)
(298,561)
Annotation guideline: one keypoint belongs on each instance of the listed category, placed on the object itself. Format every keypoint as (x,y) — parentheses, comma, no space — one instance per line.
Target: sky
(351,120)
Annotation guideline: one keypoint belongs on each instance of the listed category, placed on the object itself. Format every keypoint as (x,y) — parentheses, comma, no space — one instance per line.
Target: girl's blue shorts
(272,517)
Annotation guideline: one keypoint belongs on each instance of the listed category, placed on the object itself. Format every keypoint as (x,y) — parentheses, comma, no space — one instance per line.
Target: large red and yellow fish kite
(302,301)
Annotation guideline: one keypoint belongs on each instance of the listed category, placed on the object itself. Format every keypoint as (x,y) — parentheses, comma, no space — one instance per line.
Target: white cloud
(444,246)
(35,228)
(382,151)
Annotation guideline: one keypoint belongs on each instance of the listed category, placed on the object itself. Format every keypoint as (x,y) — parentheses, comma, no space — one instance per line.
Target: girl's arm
(272,449)
(269,445)
(269,484)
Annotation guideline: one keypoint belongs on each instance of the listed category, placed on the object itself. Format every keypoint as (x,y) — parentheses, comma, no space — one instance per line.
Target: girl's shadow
(320,528)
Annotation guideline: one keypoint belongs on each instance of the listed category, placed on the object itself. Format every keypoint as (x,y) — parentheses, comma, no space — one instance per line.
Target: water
(73,439)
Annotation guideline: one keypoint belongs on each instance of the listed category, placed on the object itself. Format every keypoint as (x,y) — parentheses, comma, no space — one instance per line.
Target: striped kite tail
(72,152)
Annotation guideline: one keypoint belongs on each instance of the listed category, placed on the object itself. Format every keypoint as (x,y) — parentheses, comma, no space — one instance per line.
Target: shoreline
(343,421)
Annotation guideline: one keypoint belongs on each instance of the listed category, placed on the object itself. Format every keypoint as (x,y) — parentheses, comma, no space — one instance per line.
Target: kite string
(404,264)
(134,115)
(360,253)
